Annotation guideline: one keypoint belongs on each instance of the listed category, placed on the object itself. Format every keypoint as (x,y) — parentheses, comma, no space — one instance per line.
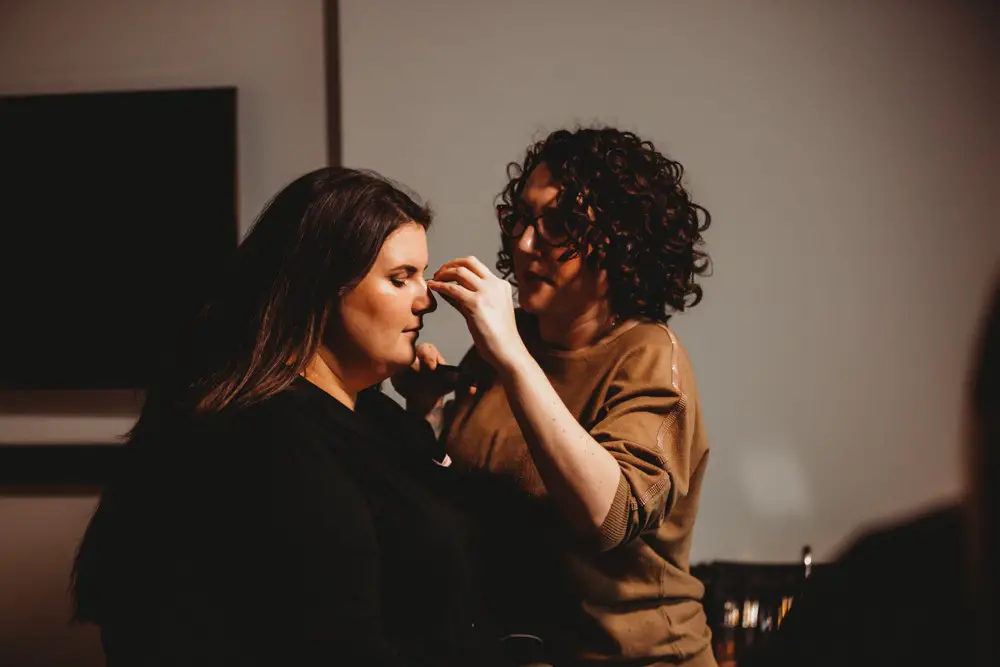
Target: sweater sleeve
(647,422)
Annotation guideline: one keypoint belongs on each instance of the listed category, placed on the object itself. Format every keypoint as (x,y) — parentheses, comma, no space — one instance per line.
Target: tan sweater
(631,596)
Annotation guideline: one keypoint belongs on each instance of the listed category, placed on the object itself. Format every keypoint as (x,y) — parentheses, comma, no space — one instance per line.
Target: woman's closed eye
(402,280)
(401,276)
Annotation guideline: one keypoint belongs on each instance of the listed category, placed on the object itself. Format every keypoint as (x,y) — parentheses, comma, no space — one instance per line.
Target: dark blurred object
(896,597)
(983,474)
(746,602)
(455,375)
(523,650)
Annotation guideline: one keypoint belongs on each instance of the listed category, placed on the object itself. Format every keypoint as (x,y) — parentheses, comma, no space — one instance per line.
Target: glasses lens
(511,221)
(553,229)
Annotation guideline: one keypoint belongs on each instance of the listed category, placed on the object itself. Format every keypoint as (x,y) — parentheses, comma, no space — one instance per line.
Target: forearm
(579,474)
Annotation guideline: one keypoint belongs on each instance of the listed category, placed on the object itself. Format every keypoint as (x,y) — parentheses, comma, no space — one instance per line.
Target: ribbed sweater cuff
(615,526)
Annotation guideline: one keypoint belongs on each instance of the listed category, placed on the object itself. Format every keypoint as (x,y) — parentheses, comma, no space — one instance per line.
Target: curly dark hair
(623,207)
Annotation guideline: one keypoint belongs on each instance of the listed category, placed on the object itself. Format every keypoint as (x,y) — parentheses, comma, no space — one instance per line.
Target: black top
(294,532)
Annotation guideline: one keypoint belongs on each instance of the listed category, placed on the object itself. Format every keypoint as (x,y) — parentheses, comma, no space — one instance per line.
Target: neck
(324,372)
(573,333)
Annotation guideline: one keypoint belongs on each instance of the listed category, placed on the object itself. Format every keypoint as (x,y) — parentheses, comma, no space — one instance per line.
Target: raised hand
(487,303)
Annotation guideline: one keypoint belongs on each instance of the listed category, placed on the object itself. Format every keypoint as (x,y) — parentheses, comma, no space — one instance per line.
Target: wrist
(515,360)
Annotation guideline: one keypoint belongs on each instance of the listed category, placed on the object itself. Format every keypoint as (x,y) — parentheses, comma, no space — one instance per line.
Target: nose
(425,301)
(526,243)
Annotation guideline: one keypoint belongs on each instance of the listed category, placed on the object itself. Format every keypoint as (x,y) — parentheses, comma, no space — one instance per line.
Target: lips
(533,277)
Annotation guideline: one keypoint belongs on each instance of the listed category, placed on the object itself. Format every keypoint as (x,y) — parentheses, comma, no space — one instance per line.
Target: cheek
(354,321)
(394,314)
(391,313)
(547,260)
(369,314)
(569,274)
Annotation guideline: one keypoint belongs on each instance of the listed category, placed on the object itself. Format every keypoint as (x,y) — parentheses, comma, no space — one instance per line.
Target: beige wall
(272,51)
(848,153)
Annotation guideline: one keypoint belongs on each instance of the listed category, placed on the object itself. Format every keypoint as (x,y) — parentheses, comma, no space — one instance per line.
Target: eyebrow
(550,205)
(409,268)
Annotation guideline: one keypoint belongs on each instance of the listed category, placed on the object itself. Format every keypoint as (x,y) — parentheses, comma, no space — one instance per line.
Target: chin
(407,355)
(393,361)
(533,301)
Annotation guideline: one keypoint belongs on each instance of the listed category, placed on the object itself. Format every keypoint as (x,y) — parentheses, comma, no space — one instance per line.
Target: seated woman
(274,508)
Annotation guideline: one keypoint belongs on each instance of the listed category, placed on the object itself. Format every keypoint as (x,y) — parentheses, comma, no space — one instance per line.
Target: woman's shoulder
(281,433)
(641,334)
(645,339)
(653,351)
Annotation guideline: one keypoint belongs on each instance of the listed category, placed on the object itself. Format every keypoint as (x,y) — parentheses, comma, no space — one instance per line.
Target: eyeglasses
(552,227)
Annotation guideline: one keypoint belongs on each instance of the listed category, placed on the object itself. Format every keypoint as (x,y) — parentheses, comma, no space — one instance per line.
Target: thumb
(429,356)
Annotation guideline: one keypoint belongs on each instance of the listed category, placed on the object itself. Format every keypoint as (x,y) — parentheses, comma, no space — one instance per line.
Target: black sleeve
(326,563)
